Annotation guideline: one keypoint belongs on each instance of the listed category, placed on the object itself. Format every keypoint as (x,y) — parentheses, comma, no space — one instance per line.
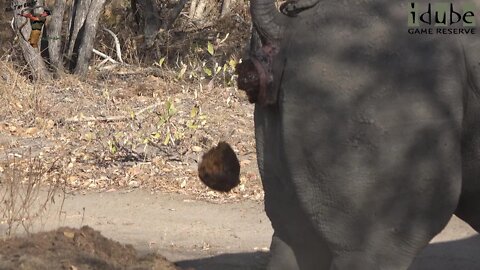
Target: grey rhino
(368,137)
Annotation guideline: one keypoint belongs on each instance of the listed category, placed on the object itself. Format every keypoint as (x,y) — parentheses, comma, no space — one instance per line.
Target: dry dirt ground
(194,234)
(68,248)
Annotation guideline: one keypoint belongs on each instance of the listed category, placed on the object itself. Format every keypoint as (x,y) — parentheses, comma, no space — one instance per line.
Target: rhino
(367,134)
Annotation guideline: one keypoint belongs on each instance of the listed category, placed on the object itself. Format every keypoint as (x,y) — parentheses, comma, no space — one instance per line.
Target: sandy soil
(211,236)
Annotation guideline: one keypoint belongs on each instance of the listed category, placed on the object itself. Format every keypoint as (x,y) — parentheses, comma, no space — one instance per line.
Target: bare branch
(115,118)
(12,24)
(117,45)
(104,61)
(106,57)
(109,67)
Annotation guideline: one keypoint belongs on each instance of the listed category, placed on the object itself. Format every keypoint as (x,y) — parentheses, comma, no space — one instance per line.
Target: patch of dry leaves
(159,128)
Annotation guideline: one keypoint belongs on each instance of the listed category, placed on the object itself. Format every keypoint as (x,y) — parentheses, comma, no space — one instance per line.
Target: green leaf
(156,135)
(210,48)
(171,109)
(168,103)
(132,115)
(162,121)
(167,139)
(194,112)
(232,63)
(191,125)
(112,147)
(160,62)
(178,135)
(182,72)
(207,71)
(89,136)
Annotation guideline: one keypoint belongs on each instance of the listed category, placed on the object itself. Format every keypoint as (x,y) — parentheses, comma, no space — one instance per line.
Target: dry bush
(24,197)
(183,42)
(21,99)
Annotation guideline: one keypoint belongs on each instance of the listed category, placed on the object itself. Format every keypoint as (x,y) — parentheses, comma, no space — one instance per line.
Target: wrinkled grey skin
(375,140)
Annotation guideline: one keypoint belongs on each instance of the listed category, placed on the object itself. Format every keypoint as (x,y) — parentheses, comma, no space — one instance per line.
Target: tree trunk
(136,12)
(193,7)
(82,28)
(151,21)
(78,15)
(174,14)
(32,55)
(200,8)
(87,37)
(225,7)
(54,35)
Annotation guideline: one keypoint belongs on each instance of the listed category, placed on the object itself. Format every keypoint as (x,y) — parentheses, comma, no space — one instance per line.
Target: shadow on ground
(236,261)
(458,254)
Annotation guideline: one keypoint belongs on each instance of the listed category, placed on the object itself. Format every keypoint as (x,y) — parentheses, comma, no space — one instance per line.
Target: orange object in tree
(34,38)
(37,23)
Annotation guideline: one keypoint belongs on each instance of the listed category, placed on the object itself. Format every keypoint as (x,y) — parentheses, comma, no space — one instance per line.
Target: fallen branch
(108,68)
(106,57)
(103,62)
(12,24)
(115,118)
(117,45)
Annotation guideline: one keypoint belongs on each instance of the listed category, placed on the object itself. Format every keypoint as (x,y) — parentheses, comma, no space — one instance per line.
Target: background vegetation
(141,114)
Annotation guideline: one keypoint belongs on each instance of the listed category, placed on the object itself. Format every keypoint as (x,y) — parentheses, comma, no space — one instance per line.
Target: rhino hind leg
(353,262)
(281,256)
(468,207)
(363,261)
(308,255)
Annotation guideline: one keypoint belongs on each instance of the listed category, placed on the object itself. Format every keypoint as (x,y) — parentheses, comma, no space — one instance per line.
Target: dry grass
(160,148)
(25,192)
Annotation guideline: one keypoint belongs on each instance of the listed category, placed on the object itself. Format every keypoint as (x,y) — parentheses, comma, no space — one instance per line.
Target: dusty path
(221,236)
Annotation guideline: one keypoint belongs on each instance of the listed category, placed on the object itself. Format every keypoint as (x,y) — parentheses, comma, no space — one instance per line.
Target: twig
(12,24)
(104,56)
(115,118)
(103,62)
(117,45)
(109,67)
(148,108)
(97,119)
